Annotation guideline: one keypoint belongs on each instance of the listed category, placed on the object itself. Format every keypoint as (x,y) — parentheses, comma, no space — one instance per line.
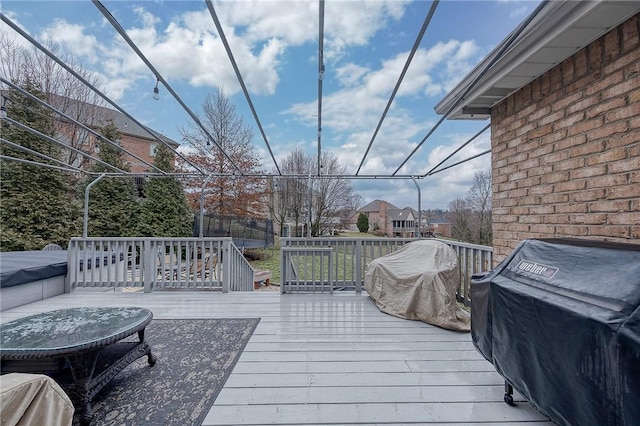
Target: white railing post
(358,261)
(226,266)
(149,265)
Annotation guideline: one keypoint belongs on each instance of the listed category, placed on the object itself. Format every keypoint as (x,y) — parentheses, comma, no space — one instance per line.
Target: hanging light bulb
(156,91)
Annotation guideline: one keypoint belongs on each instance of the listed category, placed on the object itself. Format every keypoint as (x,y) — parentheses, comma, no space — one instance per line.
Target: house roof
(402,214)
(374,206)
(103,115)
(554,32)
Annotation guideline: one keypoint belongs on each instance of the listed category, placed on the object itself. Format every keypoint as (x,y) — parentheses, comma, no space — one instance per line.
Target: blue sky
(275,44)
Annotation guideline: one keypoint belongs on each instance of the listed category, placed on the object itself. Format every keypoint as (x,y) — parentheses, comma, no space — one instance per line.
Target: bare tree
(479,203)
(323,203)
(331,196)
(227,193)
(292,197)
(62,90)
(458,216)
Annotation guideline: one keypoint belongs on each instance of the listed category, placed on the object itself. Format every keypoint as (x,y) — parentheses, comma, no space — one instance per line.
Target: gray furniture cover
(419,282)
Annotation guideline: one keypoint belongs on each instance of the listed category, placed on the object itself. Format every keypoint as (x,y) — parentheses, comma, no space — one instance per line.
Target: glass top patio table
(70,330)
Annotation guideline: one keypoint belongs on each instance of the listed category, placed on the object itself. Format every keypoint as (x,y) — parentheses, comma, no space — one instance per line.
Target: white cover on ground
(419,282)
(33,399)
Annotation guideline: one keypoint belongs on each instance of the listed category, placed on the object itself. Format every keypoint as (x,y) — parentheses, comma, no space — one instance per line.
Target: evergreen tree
(37,208)
(363,222)
(165,212)
(113,205)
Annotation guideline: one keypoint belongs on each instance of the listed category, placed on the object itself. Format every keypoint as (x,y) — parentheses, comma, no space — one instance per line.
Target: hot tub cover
(418,282)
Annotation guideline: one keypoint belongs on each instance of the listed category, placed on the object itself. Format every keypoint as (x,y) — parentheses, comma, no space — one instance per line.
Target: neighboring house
(435,226)
(564,104)
(133,137)
(388,219)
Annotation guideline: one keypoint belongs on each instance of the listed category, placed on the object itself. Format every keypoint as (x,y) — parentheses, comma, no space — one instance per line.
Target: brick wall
(566,148)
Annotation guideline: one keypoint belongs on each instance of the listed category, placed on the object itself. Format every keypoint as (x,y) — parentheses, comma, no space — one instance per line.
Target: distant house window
(152,149)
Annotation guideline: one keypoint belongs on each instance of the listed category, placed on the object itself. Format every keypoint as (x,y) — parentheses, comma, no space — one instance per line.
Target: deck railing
(176,263)
(350,257)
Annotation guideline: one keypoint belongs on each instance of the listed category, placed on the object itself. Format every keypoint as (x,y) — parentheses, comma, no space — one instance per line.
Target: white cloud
(72,38)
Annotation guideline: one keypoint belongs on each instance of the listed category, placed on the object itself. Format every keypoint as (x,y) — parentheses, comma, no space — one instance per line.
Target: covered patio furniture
(419,282)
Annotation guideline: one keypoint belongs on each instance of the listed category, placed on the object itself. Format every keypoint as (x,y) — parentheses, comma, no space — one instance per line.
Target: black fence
(245,232)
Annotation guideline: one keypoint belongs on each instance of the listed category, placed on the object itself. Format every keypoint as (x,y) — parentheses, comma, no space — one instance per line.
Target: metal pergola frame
(197,171)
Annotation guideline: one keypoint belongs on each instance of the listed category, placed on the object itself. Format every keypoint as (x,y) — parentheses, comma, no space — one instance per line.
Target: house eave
(559,30)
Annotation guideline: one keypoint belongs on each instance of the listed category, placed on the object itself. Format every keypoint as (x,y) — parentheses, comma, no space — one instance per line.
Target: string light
(156,91)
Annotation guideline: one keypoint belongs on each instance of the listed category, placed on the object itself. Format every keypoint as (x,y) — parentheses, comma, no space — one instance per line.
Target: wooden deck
(331,360)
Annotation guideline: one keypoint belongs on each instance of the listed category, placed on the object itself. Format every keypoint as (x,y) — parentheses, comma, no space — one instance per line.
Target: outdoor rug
(195,358)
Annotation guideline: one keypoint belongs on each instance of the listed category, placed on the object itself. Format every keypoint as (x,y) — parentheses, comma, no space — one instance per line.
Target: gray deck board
(331,360)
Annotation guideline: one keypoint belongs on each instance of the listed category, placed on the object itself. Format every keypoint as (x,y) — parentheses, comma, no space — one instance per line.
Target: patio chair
(204,266)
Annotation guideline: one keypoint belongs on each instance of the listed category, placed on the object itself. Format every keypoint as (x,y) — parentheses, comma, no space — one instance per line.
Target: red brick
(619,89)
(541,190)
(580,65)
(608,130)
(543,229)
(584,84)
(594,54)
(571,164)
(573,230)
(555,80)
(528,164)
(630,36)
(518,193)
(570,141)
(518,158)
(622,113)
(552,118)
(538,171)
(614,158)
(523,130)
(520,210)
(567,100)
(586,196)
(607,181)
(618,206)
(528,146)
(628,63)
(525,113)
(539,113)
(530,219)
(572,185)
(542,209)
(610,231)
(554,157)
(516,141)
(556,219)
(585,126)
(589,219)
(518,175)
(624,140)
(627,191)
(599,84)
(586,105)
(632,218)
(612,44)
(540,131)
(555,177)
(635,232)
(633,96)
(602,107)
(572,208)
(567,70)
(586,149)
(611,156)
(587,172)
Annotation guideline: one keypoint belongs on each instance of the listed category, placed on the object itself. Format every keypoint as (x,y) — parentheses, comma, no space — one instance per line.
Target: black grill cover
(560,321)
